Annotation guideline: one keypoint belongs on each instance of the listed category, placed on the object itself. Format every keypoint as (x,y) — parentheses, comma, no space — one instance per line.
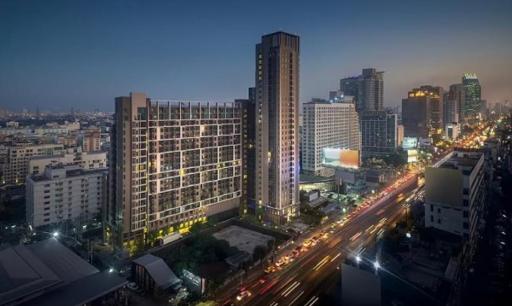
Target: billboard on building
(412,156)
(342,158)
(410,143)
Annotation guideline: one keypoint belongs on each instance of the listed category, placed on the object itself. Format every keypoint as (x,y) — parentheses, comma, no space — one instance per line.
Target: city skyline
(98,55)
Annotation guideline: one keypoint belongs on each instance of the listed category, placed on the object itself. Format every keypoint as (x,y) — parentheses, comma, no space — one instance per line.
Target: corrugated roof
(159,270)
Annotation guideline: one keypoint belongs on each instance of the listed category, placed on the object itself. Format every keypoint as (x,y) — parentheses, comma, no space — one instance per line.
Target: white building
(65,193)
(452,130)
(15,165)
(96,160)
(455,194)
(327,125)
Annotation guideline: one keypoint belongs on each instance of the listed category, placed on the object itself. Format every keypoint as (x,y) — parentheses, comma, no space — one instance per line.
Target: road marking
(291,288)
(297,297)
(312,301)
(274,303)
(321,263)
(334,258)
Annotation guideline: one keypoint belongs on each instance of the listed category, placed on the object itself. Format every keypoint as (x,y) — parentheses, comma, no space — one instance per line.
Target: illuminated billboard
(410,143)
(340,158)
(412,156)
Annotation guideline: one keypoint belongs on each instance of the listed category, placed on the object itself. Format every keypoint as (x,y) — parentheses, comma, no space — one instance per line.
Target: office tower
(327,125)
(18,155)
(458,211)
(277,126)
(249,152)
(91,140)
(417,112)
(370,95)
(65,194)
(472,96)
(436,96)
(399,134)
(173,164)
(379,133)
(453,103)
(350,86)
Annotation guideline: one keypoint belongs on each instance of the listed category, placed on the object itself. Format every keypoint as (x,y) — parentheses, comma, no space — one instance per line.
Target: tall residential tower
(277,126)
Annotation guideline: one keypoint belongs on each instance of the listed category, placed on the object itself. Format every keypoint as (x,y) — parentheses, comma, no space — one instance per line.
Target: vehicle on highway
(244,293)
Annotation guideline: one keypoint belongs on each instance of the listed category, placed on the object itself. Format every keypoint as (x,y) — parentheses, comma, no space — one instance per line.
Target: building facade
(248,202)
(472,97)
(379,133)
(277,127)
(91,140)
(417,113)
(18,155)
(458,211)
(173,164)
(65,194)
(96,160)
(370,95)
(327,125)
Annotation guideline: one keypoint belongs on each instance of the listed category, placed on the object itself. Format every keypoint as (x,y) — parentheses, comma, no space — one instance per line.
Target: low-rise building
(65,194)
(96,160)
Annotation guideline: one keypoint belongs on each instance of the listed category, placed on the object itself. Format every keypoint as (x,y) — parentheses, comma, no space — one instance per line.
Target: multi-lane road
(300,281)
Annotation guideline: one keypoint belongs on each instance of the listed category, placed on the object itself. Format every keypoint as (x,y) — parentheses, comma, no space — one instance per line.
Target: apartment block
(173,163)
(65,194)
(96,160)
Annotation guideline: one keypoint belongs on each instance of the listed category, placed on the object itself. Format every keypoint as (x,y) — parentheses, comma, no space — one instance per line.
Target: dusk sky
(82,54)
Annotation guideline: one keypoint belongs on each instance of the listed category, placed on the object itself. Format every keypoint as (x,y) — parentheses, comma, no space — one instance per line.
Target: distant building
(417,113)
(370,95)
(46,273)
(459,210)
(173,164)
(92,140)
(65,194)
(472,96)
(453,104)
(378,133)
(350,86)
(399,134)
(277,126)
(452,131)
(327,125)
(153,275)
(15,166)
(96,160)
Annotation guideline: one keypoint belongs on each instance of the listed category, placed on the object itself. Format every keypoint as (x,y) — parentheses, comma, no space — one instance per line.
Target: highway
(300,281)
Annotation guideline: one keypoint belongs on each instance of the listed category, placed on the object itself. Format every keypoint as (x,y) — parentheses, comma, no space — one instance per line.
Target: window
(465,225)
(439,221)
(431,207)
(465,203)
(432,219)
(466,214)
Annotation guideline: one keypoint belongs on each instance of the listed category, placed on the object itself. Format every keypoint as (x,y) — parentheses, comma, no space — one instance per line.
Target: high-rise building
(453,104)
(472,96)
(458,211)
(350,86)
(436,96)
(277,126)
(173,164)
(327,125)
(418,110)
(65,194)
(370,95)
(379,133)
(249,152)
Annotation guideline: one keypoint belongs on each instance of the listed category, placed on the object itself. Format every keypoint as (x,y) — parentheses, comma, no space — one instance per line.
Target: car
(132,286)
(244,293)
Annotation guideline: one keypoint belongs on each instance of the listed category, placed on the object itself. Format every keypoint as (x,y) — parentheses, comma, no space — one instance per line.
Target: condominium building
(327,125)
(378,133)
(96,160)
(248,106)
(455,194)
(277,127)
(91,140)
(453,104)
(18,155)
(371,90)
(173,163)
(65,194)
(421,113)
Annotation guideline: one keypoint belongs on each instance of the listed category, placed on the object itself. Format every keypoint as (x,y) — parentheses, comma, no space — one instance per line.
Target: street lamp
(111,270)
(408,235)
(358,259)
(55,234)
